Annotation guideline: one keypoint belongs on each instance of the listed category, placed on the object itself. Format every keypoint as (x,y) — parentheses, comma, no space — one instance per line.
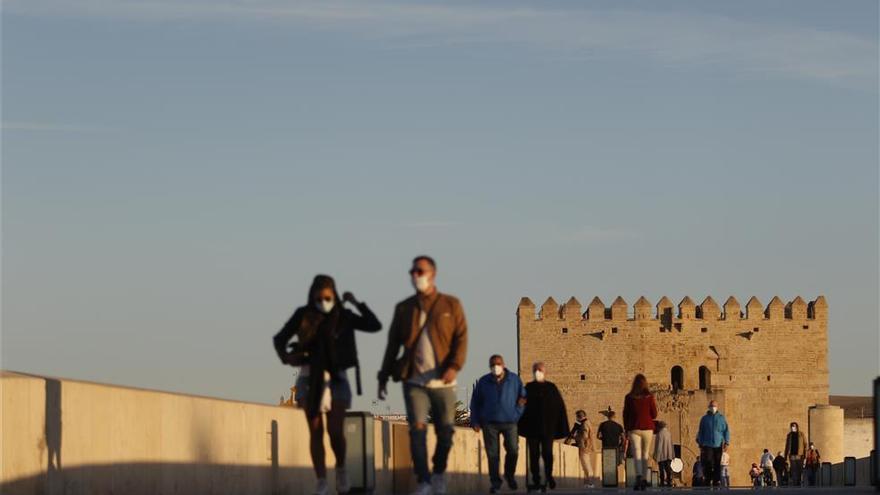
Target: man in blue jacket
(496,405)
(712,437)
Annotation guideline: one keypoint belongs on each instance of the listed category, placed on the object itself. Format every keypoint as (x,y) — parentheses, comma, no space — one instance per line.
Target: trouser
(795,470)
(640,443)
(781,477)
(665,472)
(586,458)
(493,454)
(440,402)
(725,475)
(811,475)
(711,460)
(540,448)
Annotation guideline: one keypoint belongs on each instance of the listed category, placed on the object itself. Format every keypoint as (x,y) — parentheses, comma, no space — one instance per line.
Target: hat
(608,412)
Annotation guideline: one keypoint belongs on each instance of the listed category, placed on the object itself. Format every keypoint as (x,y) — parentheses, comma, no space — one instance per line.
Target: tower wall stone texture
(765,365)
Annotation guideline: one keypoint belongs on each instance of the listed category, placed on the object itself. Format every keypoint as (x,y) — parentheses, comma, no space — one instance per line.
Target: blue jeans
(440,402)
(493,453)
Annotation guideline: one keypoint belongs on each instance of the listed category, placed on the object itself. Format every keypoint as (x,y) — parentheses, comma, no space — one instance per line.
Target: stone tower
(766,366)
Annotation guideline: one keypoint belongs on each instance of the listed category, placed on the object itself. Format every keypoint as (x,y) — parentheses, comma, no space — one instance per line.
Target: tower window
(705,378)
(583,377)
(677,378)
(564,330)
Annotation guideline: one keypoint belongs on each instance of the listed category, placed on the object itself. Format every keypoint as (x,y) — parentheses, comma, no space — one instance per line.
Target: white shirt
(425,371)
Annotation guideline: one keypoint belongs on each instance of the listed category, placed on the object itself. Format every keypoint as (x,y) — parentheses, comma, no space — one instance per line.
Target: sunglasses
(417,272)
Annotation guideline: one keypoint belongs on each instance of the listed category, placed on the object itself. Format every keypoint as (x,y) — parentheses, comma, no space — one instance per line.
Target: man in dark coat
(544,420)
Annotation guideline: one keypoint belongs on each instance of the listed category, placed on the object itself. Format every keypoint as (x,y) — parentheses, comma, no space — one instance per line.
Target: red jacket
(639,412)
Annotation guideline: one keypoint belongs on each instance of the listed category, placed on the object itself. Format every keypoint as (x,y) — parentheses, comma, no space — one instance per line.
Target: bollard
(825,474)
(849,471)
(360,459)
(609,468)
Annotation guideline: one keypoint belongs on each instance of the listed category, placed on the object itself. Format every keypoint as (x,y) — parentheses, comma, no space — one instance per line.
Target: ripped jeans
(440,402)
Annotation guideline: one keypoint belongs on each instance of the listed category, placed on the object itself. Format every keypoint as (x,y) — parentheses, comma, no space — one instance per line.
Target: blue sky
(174,173)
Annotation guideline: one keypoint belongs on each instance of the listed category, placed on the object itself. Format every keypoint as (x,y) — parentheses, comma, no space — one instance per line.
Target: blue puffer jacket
(495,402)
(713,431)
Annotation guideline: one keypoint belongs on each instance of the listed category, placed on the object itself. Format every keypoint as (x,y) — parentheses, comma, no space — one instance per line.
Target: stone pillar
(826,431)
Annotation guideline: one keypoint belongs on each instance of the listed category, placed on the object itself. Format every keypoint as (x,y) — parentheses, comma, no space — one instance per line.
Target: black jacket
(343,351)
(545,415)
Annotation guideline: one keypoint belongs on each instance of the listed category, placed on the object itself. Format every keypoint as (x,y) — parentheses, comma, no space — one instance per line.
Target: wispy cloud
(668,38)
(50,127)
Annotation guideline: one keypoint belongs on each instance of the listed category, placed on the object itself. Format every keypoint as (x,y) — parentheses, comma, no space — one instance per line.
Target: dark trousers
(493,453)
(781,477)
(540,448)
(710,457)
(795,470)
(811,475)
(665,472)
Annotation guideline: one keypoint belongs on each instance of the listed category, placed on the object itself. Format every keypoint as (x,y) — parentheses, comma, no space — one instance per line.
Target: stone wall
(74,437)
(765,364)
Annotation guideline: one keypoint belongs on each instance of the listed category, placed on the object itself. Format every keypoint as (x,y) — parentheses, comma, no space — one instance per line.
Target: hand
(521,401)
(476,428)
(383,391)
(449,375)
(349,297)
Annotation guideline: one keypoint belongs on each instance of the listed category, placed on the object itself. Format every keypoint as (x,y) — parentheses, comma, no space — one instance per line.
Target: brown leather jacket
(447,328)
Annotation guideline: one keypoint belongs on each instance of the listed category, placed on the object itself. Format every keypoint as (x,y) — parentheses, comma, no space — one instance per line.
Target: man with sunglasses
(431,329)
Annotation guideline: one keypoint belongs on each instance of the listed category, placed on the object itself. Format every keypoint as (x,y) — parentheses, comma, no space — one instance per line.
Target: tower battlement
(708,310)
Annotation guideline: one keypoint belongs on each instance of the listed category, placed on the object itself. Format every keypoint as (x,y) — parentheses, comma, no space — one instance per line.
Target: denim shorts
(340,389)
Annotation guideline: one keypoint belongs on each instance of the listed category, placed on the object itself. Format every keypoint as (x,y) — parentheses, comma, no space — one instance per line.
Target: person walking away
(664,452)
(611,434)
(497,403)
(544,420)
(431,329)
(324,349)
(795,449)
(581,435)
(712,437)
(812,462)
(639,412)
(780,466)
(766,466)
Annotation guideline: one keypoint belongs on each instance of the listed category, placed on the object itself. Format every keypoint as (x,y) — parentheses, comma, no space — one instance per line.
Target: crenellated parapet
(708,310)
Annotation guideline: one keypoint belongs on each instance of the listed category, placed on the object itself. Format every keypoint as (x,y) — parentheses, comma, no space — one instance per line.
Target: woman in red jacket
(639,413)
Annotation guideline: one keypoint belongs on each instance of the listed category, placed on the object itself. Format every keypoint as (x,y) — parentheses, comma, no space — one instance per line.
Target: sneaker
(343,485)
(438,483)
(493,490)
(321,487)
(551,482)
(423,489)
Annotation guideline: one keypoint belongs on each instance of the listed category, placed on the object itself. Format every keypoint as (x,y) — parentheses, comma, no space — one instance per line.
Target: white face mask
(794,428)
(497,370)
(421,283)
(539,375)
(325,306)
(713,409)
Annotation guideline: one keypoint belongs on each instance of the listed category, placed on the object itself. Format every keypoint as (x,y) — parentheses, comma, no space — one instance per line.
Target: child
(755,473)
(664,453)
(725,468)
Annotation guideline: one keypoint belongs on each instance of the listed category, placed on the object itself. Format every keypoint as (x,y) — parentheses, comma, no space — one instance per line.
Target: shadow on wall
(166,478)
(52,431)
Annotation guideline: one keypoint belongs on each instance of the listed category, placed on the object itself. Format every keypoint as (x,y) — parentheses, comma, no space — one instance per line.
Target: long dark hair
(639,386)
(320,283)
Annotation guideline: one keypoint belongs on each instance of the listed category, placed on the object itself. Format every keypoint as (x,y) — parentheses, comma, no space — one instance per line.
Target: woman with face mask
(324,350)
